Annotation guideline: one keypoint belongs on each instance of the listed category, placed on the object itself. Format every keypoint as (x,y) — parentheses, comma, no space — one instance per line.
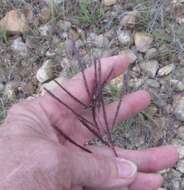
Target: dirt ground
(101,30)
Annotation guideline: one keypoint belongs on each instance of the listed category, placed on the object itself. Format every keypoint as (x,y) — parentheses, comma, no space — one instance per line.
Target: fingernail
(131,56)
(126,169)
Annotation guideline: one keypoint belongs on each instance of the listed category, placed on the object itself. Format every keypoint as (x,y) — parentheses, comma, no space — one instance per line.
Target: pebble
(179,109)
(164,71)
(153,83)
(177,142)
(177,85)
(130,53)
(14,22)
(79,44)
(56,2)
(74,34)
(101,41)
(20,47)
(180,166)
(179,74)
(10,90)
(1,87)
(129,19)
(135,83)
(45,14)
(50,53)
(46,71)
(143,41)
(150,67)
(181,132)
(45,30)
(125,38)
(64,25)
(180,149)
(117,83)
(151,54)
(109,2)
(100,53)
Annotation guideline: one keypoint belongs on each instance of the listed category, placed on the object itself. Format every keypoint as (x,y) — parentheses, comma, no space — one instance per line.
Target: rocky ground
(35,47)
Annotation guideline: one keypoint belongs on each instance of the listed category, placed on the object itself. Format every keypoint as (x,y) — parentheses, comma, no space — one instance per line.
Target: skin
(34,156)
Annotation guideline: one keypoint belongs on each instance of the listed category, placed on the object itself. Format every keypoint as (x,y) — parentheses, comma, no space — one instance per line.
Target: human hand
(33,155)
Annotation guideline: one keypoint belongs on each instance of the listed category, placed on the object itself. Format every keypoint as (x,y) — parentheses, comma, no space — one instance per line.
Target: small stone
(129,19)
(150,67)
(100,53)
(101,41)
(177,85)
(79,44)
(180,150)
(142,41)
(136,69)
(135,83)
(1,87)
(160,101)
(14,22)
(28,12)
(180,166)
(54,2)
(177,142)
(20,47)
(151,54)
(91,38)
(132,56)
(153,83)
(177,2)
(179,109)
(109,2)
(45,30)
(181,132)
(117,83)
(69,47)
(45,14)
(28,88)
(50,53)
(74,34)
(152,110)
(164,71)
(10,90)
(125,38)
(64,25)
(47,71)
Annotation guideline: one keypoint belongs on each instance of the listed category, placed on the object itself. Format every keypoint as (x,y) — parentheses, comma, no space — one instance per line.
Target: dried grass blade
(68,107)
(83,120)
(60,131)
(71,95)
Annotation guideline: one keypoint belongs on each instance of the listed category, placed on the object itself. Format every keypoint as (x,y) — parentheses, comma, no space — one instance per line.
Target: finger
(149,160)
(142,182)
(130,106)
(97,171)
(147,182)
(76,86)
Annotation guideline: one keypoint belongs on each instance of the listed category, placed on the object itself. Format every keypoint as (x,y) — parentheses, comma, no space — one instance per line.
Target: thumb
(98,171)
